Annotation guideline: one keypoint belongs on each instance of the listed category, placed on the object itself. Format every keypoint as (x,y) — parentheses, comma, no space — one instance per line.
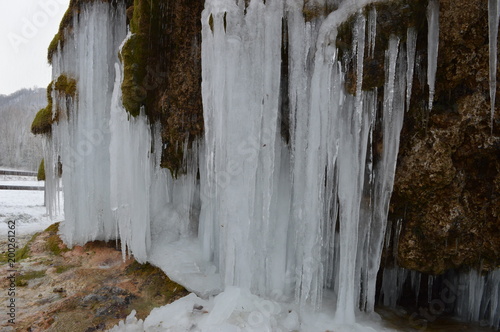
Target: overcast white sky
(26,29)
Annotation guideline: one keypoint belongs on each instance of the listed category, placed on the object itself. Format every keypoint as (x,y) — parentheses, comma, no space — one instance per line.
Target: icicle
(372,31)
(354,133)
(393,280)
(415,284)
(411,47)
(391,57)
(129,149)
(83,137)
(430,283)
(493,18)
(432,47)
(359,38)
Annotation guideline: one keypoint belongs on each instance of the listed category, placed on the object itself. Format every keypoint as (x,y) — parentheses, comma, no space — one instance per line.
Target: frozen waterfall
(293,212)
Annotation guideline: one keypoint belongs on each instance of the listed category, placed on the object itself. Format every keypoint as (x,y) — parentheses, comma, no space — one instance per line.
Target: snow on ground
(25,207)
(237,310)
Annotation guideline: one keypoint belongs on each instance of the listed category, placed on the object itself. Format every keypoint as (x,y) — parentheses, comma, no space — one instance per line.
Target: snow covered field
(25,207)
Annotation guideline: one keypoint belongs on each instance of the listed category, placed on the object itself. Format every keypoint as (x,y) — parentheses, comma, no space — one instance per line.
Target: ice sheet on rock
(129,154)
(241,77)
(81,138)
(411,47)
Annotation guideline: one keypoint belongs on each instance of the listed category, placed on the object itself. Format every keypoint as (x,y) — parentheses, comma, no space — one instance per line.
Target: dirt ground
(86,289)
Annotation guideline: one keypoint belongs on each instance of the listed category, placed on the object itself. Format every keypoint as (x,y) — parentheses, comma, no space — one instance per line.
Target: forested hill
(19,148)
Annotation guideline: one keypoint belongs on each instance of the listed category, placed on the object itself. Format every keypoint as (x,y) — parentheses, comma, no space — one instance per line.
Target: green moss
(211,22)
(54,243)
(54,228)
(162,72)
(157,290)
(53,47)
(63,268)
(22,253)
(66,25)
(66,85)
(41,171)
(22,279)
(134,58)
(42,124)
(60,37)
(25,251)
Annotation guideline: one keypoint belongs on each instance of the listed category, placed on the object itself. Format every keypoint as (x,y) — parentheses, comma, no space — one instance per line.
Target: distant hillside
(19,148)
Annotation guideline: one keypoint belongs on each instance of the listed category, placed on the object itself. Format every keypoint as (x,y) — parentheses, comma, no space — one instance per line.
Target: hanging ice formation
(81,137)
(470,296)
(283,212)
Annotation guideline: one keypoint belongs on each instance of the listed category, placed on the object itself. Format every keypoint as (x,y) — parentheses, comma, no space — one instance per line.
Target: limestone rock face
(447,186)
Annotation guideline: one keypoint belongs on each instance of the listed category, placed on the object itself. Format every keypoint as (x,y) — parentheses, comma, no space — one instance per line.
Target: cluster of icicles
(290,218)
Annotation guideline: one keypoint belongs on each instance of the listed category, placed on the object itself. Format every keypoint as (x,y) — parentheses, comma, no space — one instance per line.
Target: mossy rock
(133,57)
(66,85)
(393,19)
(22,253)
(162,72)
(22,279)
(53,47)
(158,282)
(41,171)
(66,25)
(54,243)
(42,124)
(158,289)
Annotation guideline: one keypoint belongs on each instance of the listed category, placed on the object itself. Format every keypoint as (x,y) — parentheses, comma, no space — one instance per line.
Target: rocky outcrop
(162,71)
(447,182)
(447,187)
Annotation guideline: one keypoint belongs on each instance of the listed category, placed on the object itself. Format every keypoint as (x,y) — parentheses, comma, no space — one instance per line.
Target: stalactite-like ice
(478,299)
(411,47)
(81,137)
(493,18)
(329,139)
(294,212)
(432,46)
(130,159)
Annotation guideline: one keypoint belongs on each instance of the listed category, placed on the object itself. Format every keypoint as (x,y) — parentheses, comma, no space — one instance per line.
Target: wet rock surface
(447,186)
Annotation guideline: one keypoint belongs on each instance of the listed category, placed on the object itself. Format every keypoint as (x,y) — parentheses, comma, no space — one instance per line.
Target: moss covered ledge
(42,124)
(162,72)
(66,25)
(66,88)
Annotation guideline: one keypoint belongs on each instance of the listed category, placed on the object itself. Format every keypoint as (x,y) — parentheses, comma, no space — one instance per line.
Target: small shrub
(41,171)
